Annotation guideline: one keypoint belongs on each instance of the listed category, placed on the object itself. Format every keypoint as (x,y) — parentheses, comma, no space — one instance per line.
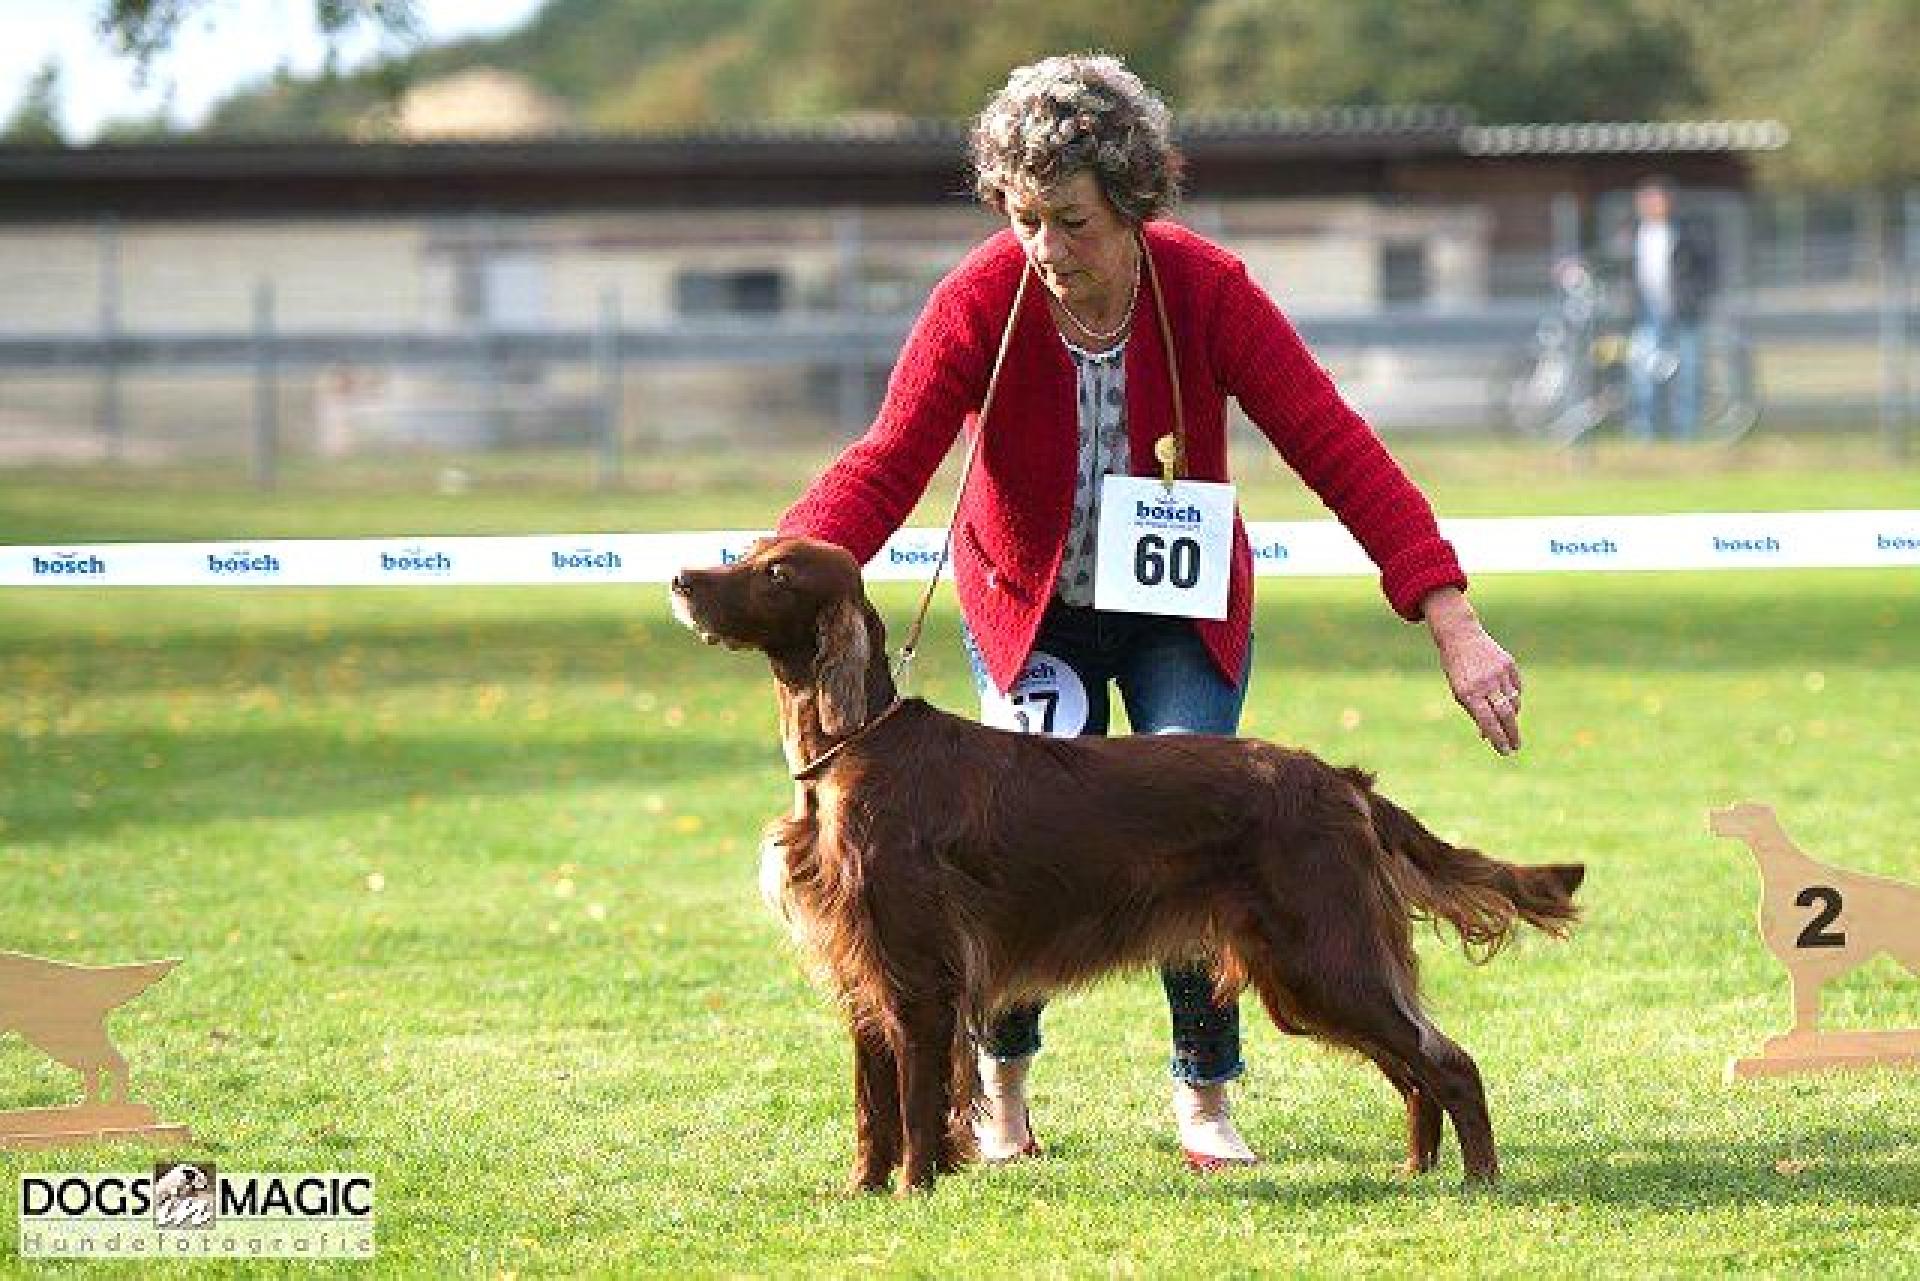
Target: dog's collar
(813,767)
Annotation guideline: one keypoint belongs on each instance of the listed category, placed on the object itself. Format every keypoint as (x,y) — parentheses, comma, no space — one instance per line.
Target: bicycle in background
(1571,383)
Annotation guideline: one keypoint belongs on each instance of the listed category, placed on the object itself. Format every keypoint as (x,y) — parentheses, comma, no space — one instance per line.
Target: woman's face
(1081,245)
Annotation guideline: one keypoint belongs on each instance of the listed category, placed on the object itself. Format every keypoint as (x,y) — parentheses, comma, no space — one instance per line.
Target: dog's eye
(778,573)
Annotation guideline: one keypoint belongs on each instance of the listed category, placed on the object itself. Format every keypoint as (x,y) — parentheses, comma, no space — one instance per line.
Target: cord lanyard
(1164,544)
(903,662)
(1170,554)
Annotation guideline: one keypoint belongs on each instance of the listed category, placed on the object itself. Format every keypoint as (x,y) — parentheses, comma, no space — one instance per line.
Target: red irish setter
(938,870)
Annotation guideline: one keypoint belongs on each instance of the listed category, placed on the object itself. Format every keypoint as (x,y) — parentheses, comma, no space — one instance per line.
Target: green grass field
(465,884)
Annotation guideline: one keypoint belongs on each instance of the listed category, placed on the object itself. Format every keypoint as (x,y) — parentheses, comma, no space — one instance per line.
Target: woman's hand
(1484,678)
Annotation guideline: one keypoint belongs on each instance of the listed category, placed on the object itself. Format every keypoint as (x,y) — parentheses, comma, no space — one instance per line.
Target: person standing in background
(1672,279)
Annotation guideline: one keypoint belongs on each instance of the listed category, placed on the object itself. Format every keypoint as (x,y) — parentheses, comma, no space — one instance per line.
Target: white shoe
(1001,1127)
(1207,1135)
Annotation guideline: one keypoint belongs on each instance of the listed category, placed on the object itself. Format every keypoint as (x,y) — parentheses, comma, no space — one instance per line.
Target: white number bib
(1047,698)
(1164,549)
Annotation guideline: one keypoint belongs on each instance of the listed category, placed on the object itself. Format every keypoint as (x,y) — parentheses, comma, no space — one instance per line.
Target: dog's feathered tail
(1483,898)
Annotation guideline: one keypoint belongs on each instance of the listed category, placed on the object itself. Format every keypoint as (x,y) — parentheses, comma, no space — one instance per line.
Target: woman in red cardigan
(1075,152)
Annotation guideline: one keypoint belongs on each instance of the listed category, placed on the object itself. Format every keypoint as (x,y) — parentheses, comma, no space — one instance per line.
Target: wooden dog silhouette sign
(1822,922)
(62,1010)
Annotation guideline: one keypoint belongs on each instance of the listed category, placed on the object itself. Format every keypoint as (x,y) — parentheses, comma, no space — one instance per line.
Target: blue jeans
(1663,378)
(1170,686)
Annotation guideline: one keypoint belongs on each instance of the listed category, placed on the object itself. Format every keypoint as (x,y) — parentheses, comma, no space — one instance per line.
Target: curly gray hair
(1062,115)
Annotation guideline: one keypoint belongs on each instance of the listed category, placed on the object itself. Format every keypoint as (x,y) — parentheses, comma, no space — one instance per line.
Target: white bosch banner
(1730,540)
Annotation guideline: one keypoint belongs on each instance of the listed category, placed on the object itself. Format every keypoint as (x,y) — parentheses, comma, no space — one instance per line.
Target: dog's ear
(840,667)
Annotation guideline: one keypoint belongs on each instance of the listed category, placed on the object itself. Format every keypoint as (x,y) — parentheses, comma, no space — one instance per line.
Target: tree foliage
(1837,71)
(36,118)
(1840,73)
(146,28)
(1506,60)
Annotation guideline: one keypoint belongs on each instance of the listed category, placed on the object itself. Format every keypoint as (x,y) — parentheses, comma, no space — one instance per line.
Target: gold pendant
(1167,450)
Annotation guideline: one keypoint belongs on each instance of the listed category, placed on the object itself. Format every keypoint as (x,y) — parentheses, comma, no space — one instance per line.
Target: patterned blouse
(1102,380)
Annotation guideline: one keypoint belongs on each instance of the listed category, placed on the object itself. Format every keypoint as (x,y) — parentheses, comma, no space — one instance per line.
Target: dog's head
(799,601)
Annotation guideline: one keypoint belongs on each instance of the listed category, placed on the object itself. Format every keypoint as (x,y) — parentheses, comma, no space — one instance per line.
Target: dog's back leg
(1345,987)
(1424,1118)
(1433,1074)
(1449,1075)
(1366,1014)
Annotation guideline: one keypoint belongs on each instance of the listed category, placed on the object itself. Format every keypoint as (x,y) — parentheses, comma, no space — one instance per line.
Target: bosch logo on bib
(1161,514)
(1164,548)
(1046,698)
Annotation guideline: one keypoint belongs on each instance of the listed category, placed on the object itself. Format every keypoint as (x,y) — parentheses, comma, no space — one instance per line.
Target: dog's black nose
(679,583)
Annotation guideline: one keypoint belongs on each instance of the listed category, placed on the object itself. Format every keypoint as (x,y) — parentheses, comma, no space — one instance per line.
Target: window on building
(504,290)
(1403,272)
(730,293)
(1834,237)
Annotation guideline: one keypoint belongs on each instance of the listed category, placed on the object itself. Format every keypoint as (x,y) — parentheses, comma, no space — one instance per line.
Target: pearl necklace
(1126,317)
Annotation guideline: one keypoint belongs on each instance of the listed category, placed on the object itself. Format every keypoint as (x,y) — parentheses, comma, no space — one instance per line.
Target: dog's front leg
(876,1107)
(926,1085)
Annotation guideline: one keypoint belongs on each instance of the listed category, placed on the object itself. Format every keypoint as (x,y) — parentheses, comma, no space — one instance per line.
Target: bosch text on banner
(1554,544)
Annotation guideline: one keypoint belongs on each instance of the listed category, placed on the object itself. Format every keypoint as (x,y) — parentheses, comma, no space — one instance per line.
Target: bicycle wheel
(1730,402)
(1729,393)
(1530,389)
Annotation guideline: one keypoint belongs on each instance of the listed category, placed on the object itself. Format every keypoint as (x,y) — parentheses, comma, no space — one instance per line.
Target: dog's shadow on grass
(1818,1167)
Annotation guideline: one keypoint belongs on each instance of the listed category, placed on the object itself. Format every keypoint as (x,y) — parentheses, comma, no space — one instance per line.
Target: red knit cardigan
(1011,534)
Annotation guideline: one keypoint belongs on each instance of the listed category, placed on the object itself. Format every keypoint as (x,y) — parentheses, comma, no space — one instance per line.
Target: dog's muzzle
(680,594)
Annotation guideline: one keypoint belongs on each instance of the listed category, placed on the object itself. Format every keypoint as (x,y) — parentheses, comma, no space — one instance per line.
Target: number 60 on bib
(1164,549)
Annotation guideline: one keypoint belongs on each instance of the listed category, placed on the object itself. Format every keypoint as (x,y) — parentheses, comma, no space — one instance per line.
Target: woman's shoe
(1002,1127)
(1207,1136)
